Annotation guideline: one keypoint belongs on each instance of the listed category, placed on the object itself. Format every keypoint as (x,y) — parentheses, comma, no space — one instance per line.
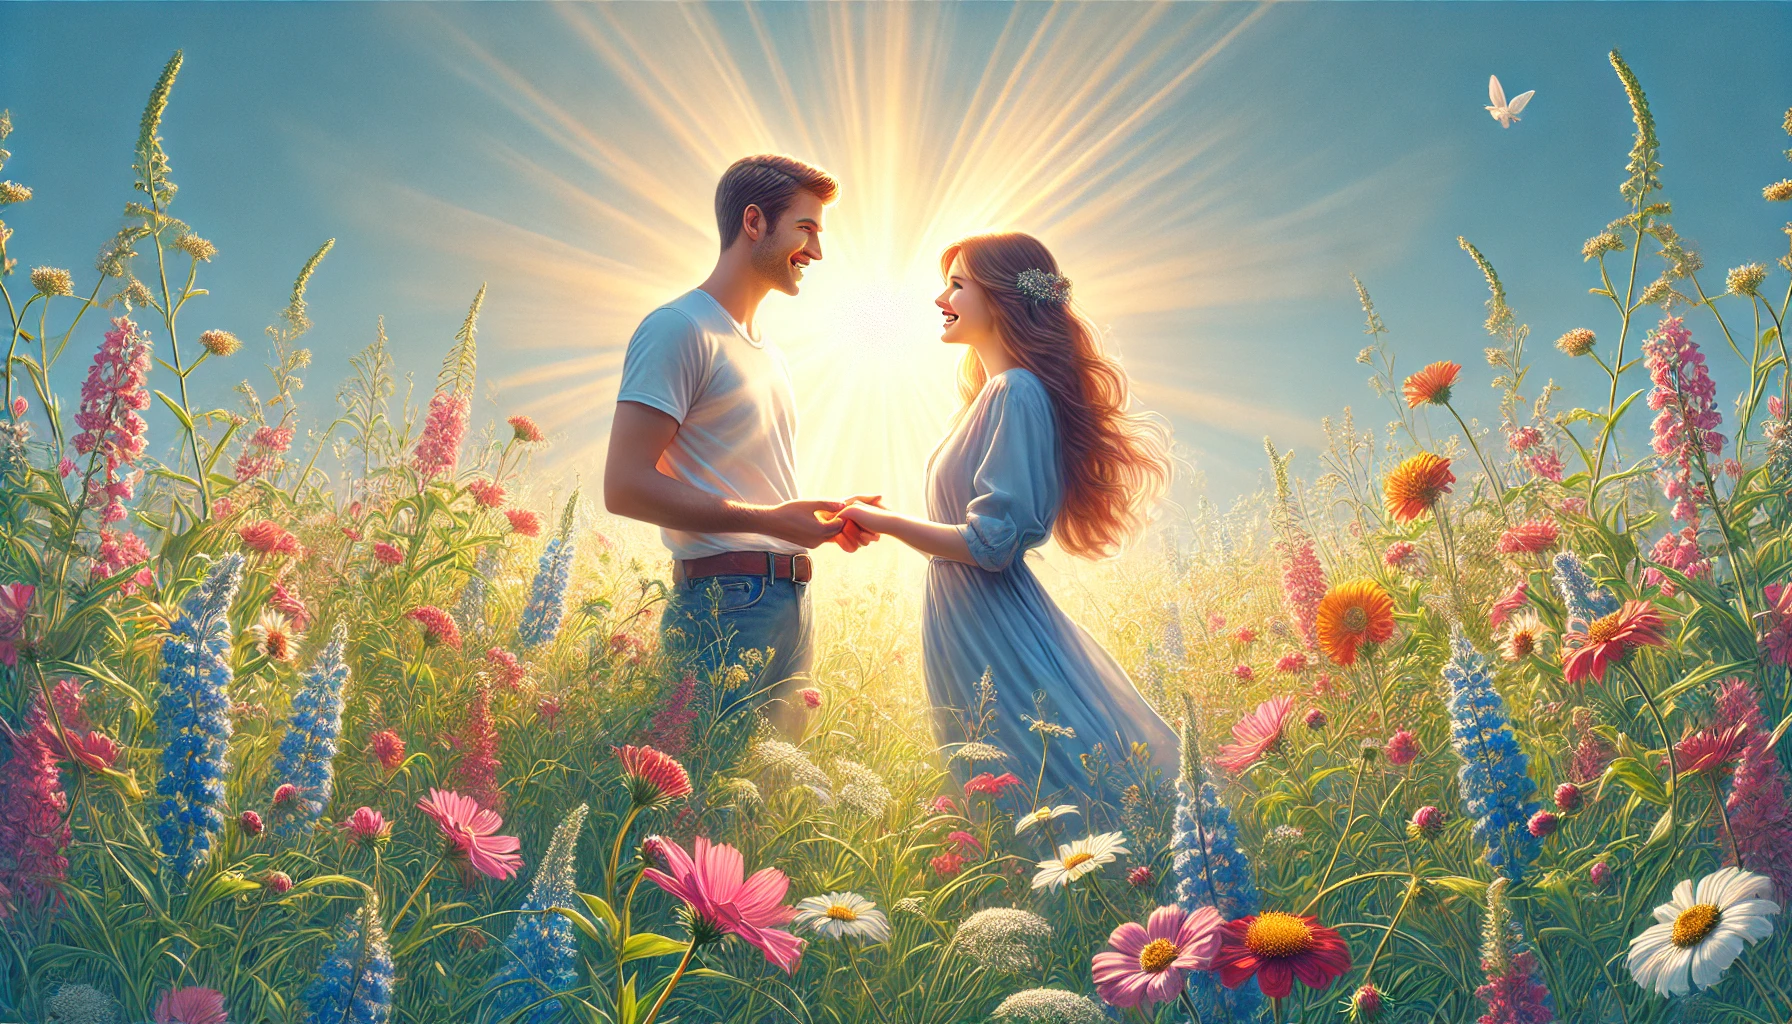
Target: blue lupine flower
(547,598)
(542,956)
(310,741)
(354,985)
(1211,871)
(1584,599)
(193,719)
(1494,781)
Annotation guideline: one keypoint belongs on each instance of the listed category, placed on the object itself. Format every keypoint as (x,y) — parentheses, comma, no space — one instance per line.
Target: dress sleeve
(666,364)
(1016,484)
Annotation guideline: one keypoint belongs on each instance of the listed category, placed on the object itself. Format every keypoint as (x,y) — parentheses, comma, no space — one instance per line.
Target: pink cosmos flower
(1529,537)
(1146,965)
(191,1005)
(1402,748)
(654,779)
(709,880)
(1255,734)
(471,832)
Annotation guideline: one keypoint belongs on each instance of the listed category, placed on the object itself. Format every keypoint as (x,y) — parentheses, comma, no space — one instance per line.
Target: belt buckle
(801,568)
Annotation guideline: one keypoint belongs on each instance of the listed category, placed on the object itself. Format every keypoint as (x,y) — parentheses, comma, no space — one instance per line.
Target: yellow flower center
(1603,630)
(1356,618)
(1077,860)
(1275,935)
(1694,923)
(842,913)
(1157,955)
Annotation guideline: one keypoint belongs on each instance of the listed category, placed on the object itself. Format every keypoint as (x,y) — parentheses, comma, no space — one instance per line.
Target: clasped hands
(851,523)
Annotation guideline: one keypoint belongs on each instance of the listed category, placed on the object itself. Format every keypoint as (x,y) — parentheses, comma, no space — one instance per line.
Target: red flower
(964,843)
(947,864)
(92,750)
(1509,602)
(290,605)
(811,697)
(1776,637)
(250,823)
(277,882)
(943,805)
(1316,718)
(1609,639)
(1402,748)
(990,785)
(386,554)
(1140,877)
(1255,734)
(191,1005)
(1543,823)
(654,779)
(1244,672)
(1294,661)
(367,827)
(1529,537)
(524,522)
(285,792)
(471,832)
(486,493)
(438,626)
(388,748)
(1276,948)
(547,710)
(266,537)
(524,429)
(1245,635)
(1710,750)
(709,881)
(1397,554)
(1567,797)
(1431,386)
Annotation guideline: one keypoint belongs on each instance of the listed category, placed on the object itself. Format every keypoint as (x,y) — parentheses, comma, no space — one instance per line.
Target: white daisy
(1042,815)
(1077,859)
(275,638)
(1701,931)
(841,915)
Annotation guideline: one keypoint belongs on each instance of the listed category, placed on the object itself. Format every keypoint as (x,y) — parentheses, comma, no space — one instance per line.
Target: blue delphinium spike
(1211,871)
(193,719)
(1494,781)
(1584,599)
(310,741)
(354,983)
(547,598)
(541,956)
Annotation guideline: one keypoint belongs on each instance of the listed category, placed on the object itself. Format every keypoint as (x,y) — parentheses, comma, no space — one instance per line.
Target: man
(703,444)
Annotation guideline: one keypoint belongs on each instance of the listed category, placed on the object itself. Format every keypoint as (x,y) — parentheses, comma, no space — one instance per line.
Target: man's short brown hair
(770,182)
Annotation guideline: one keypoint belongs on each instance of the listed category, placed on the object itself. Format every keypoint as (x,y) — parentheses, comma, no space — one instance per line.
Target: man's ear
(752,222)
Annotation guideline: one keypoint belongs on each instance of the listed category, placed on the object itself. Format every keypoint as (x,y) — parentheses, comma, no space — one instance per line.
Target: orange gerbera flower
(1431,386)
(1351,615)
(1607,640)
(1416,485)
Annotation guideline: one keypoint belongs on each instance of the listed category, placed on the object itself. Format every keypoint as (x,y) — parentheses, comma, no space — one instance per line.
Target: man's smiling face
(781,253)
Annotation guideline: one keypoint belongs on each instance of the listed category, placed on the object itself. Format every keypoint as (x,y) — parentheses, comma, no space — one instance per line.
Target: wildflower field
(1481,724)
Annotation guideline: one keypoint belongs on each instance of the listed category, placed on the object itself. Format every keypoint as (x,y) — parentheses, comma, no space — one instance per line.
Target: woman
(1044,445)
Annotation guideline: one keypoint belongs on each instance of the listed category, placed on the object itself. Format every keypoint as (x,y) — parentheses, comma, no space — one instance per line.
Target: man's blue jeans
(717,619)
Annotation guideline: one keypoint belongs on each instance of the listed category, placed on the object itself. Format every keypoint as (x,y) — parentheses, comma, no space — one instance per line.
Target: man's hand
(801,522)
(854,536)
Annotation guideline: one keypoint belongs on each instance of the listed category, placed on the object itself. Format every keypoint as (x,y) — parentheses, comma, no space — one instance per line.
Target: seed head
(13,192)
(1658,291)
(1577,342)
(52,281)
(220,343)
(196,247)
(1778,192)
(1600,244)
(1746,279)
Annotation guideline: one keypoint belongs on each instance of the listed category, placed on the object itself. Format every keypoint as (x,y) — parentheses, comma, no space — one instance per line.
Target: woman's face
(966,308)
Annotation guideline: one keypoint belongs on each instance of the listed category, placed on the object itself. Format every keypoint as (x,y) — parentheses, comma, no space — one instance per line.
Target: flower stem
(1189,1004)
(1337,848)
(427,877)
(689,952)
(852,961)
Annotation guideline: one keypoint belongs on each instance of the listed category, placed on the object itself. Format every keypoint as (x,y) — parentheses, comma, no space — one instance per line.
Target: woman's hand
(869,518)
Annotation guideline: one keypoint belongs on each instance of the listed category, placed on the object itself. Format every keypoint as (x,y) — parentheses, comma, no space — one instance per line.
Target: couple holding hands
(703,446)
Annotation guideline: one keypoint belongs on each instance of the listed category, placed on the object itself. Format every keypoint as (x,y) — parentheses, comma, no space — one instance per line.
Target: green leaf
(600,909)
(1462,885)
(648,944)
(584,924)
(1638,777)
(179,413)
(1659,834)
(627,1010)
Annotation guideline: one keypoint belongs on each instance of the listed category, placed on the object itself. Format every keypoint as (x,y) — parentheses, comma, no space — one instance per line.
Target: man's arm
(635,487)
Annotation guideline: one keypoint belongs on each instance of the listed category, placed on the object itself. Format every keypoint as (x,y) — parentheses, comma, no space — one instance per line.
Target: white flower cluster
(862,790)
(778,758)
(1049,1006)
(1004,939)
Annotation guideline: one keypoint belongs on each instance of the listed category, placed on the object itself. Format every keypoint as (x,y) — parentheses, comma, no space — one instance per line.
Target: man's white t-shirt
(731,395)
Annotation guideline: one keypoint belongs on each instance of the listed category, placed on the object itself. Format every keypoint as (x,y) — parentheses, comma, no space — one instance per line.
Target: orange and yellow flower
(1416,485)
(1353,614)
(1431,386)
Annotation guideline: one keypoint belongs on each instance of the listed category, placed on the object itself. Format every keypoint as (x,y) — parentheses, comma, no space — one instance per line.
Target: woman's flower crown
(1041,286)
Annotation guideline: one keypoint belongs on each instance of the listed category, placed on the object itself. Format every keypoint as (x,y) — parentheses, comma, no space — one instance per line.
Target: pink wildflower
(1402,748)
(1140,877)
(1398,554)
(670,729)
(963,843)
(438,450)
(112,430)
(1543,824)
(1148,964)
(946,864)
(120,550)
(262,451)
(191,1005)
(1687,419)
(1776,624)
(1567,798)
(986,784)
(471,833)
(278,882)
(15,613)
(1756,805)
(476,773)
(438,626)
(486,493)
(266,537)
(1245,635)
(250,824)
(1293,661)
(654,778)
(1513,995)
(1315,719)
(507,671)
(811,697)
(20,407)
(524,429)
(548,709)
(1599,874)
(1523,439)
(1255,734)
(523,522)
(388,749)
(1244,672)
(387,554)
(1545,465)
(1215,622)
(289,604)
(1303,584)
(33,832)
(710,881)
(1427,823)
(286,792)
(1529,537)
(1678,550)
(943,805)
(1509,602)
(1574,506)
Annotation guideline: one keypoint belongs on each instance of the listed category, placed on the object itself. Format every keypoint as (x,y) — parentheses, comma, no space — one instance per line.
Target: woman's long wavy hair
(1115,463)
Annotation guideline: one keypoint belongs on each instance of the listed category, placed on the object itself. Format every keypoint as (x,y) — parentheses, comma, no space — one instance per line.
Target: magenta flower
(1244,672)
(367,827)
(1567,797)
(1255,734)
(1756,805)
(1509,602)
(654,779)
(120,550)
(438,626)
(112,430)
(1303,584)
(1687,419)
(1146,965)
(1315,718)
(710,882)
(250,824)
(438,450)
(1402,748)
(1776,624)
(262,451)
(1543,824)
(191,1005)
(33,832)
(476,773)
(15,609)
(471,832)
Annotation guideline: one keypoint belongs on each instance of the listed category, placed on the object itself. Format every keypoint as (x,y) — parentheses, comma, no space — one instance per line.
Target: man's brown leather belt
(744,563)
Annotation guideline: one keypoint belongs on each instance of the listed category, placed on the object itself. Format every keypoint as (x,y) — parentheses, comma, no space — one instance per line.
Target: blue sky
(445,146)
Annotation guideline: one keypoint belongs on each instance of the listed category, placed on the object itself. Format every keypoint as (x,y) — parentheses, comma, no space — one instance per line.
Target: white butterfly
(1503,112)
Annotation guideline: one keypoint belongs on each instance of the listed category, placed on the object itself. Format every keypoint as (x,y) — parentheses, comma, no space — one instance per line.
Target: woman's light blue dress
(996,477)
